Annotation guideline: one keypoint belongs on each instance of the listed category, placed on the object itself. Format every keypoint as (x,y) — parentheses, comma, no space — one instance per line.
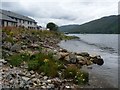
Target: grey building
(9,18)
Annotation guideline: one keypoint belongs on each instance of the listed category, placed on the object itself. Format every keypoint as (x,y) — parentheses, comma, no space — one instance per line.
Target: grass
(79,77)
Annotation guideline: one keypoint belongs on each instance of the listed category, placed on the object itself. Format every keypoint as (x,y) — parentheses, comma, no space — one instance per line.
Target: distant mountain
(105,25)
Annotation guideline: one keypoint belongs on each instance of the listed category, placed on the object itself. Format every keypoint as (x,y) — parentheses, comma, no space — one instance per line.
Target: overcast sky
(62,12)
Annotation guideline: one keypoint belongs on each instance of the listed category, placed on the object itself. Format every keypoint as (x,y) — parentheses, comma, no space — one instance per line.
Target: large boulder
(73,58)
(84,54)
(80,58)
(63,54)
(97,60)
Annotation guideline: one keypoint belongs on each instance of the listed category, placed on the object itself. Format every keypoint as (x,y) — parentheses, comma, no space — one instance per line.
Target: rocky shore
(22,71)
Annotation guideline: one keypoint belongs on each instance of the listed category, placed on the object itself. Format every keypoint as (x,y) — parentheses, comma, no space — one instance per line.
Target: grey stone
(32,72)
(45,77)
(84,54)
(25,78)
(7,45)
(43,87)
(16,47)
(80,58)
(72,58)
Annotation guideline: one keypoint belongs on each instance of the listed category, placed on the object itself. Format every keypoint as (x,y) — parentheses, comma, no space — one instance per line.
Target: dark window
(16,19)
(30,22)
(19,20)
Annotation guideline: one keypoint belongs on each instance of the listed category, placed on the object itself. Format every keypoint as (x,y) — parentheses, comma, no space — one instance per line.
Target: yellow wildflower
(46,60)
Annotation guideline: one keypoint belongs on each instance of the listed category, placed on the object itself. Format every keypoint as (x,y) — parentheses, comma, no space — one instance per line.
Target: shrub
(70,72)
(81,78)
(15,60)
(33,65)
(49,68)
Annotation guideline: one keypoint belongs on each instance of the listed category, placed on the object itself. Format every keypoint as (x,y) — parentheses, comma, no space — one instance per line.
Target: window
(31,23)
(19,20)
(16,19)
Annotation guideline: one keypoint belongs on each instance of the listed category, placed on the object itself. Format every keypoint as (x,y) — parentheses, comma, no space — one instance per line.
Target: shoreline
(48,44)
(95,80)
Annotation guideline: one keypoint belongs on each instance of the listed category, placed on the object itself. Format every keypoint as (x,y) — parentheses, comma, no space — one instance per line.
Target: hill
(105,25)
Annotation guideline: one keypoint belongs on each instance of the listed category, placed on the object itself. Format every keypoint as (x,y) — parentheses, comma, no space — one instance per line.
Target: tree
(52,26)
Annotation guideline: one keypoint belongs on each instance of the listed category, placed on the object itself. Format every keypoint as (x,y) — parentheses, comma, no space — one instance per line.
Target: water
(105,45)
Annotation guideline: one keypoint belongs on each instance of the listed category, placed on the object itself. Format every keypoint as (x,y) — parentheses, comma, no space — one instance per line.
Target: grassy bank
(36,50)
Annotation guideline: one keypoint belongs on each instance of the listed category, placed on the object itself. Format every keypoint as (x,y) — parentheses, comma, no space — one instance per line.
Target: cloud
(63,12)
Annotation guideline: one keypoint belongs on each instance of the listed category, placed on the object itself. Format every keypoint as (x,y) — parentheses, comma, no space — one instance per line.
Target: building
(9,18)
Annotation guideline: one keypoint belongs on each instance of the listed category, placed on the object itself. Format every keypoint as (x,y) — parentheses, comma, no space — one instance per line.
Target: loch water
(105,45)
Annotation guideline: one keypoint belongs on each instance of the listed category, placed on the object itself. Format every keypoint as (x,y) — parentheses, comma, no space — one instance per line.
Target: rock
(89,67)
(89,62)
(98,60)
(55,51)
(49,81)
(72,58)
(82,62)
(25,78)
(7,45)
(62,50)
(32,72)
(28,74)
(33,76)
(67,86)
(11,66)
(16,47)
(11,81)
(3,61)
(80,58)
(43,87)
(67,58)
(23,47)
(34,46)
(84,54)
(45,77)
(51,85)
(63,54)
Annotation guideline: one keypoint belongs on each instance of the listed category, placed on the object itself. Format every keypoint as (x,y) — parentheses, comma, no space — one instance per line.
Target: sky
(62,12)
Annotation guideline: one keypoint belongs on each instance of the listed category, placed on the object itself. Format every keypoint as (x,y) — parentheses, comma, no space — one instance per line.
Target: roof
(5,17)
(12,14)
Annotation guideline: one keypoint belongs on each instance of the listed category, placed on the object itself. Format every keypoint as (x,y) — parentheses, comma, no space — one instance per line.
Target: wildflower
(83,79)
(81,75)
(46,60)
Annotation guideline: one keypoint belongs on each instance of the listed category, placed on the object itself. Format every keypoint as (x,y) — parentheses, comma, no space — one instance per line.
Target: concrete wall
(7,23)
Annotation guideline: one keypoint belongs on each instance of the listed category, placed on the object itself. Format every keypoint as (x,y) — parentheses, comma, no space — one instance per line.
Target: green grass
(79,77)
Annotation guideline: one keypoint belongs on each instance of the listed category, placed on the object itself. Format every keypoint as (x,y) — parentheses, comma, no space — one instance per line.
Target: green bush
(15,60)
(49,68)
(70,72)
(81,78)
(33,65)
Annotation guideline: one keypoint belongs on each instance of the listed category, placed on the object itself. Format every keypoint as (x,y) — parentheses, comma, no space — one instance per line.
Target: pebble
(45,77)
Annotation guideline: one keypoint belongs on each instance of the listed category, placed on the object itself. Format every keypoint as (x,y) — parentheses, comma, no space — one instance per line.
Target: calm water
(105,45)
